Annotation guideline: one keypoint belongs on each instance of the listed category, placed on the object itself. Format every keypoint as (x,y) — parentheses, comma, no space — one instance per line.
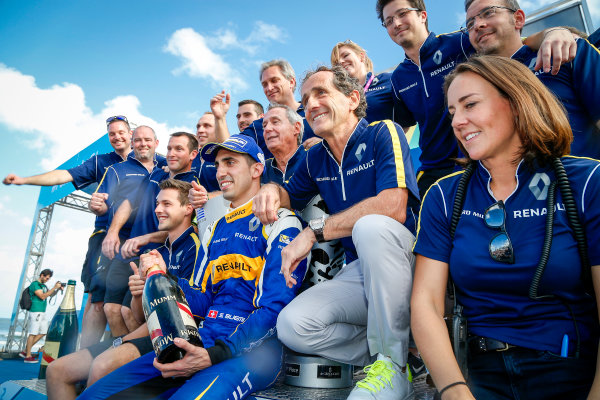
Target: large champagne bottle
(168,316)
(62,332)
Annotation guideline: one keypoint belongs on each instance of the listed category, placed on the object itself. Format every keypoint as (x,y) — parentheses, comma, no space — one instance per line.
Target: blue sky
(66,66)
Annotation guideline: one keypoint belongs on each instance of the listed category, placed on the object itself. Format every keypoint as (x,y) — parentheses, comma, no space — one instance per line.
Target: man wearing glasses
(89,172)
(417,81)
(494,27)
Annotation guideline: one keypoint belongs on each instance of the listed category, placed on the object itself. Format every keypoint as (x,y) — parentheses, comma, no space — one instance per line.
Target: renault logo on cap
(534,185)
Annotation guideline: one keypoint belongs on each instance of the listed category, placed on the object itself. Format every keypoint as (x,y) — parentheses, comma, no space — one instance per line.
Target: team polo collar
(183,175)
(360,128)
(179,239)
(131,156)
(429,46)
(521,54)
(240,212)
(291,161)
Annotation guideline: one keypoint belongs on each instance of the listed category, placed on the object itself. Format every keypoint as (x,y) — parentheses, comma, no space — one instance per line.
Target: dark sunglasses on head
(500,246)
(116,118)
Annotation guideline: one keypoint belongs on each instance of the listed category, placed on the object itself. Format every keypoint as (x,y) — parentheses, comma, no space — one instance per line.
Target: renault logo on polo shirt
(532,63)
(539,185)
(359,152)
(437,57)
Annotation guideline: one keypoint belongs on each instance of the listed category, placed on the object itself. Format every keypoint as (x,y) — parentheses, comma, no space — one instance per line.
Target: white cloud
(200,59)
(594,7)
(57,119)
(9,212)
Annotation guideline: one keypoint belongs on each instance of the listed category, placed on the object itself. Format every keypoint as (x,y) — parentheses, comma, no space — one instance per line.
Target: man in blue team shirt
(494,27)
(180,249)
(248,112)
(206,171)
(417,81)
(283,129)
(278,81)
(365,176)
(90,171)
(119,181)
(181,151)
(144,234)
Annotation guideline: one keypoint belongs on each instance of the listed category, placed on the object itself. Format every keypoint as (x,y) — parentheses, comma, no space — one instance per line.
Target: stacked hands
(196,358)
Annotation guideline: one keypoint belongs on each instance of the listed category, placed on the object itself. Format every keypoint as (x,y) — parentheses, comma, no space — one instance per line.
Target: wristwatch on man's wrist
(317,225)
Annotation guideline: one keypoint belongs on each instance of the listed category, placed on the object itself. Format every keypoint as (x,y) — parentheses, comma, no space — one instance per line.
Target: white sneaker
(385,381)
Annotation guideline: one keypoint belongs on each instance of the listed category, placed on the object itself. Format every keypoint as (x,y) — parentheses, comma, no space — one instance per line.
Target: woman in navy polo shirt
(378,88)
(532,320)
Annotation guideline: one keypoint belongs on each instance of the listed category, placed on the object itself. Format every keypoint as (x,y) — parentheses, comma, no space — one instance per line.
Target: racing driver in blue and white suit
(236,288)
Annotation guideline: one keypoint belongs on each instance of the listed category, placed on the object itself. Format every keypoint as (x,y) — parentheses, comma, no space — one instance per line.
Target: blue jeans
(525,374)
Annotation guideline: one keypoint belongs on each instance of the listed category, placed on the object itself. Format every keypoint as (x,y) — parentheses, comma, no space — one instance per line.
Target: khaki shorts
(38,324)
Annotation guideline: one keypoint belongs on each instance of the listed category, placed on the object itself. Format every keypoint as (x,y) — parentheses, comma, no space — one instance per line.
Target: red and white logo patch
(213,314)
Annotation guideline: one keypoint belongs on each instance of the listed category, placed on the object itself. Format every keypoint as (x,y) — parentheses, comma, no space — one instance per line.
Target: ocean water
(4,325)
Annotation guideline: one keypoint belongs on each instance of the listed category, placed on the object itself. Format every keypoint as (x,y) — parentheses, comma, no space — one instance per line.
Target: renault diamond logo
(253,224)
(359,152)
(539,179)
(437,57)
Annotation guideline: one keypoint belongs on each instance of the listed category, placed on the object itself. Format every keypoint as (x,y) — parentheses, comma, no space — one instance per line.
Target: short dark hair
(420,4)
(182,187)
(345,84)
(192,141)
(46,272)
(257,106)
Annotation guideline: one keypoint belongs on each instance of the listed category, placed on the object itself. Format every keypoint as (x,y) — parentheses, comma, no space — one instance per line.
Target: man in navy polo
(283,129)
(364,174)
(119,181)
(144,234)
(577,84)
(206,171)
(278,81)
(248,112)
(417,81)
(181,151)
(89,172)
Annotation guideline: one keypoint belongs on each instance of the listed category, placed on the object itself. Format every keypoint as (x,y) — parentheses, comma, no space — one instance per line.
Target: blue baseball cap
(237,143)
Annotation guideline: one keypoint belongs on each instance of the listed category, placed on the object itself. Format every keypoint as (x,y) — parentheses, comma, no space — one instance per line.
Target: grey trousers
(365,309)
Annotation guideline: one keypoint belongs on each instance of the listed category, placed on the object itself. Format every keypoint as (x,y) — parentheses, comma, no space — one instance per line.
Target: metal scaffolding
(17,333)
